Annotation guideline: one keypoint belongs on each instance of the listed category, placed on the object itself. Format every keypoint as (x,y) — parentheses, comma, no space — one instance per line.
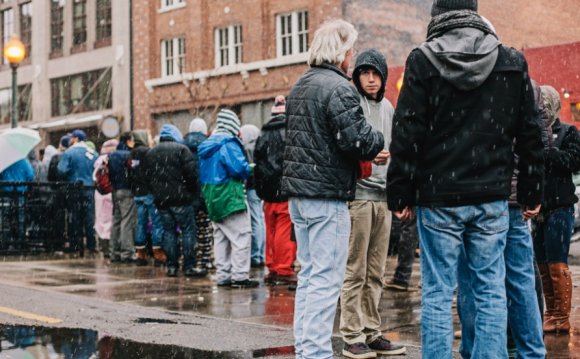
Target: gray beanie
(443,6)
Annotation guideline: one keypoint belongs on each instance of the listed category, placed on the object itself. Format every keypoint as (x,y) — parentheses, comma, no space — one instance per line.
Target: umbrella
(15,144)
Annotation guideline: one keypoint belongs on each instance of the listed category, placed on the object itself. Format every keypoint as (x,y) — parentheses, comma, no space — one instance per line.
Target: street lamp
(14,52)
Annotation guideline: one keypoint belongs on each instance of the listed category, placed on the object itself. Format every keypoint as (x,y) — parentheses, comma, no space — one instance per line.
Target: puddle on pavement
(24,342)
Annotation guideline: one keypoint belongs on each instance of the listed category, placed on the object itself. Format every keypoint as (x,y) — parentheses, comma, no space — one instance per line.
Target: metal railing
(35,217)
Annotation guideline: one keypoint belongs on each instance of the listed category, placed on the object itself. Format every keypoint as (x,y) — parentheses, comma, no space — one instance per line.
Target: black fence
(35,217)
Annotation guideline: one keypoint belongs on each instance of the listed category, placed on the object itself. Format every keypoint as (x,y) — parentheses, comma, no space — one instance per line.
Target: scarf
(450,20)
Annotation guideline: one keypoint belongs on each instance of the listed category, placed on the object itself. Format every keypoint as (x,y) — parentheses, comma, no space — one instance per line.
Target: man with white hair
(327,136)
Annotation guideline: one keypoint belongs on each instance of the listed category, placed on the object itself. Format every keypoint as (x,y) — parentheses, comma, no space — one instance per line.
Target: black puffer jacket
(269,160)
(327,135)
(192,140)
(453,147)
(171,174)
(139,182)
(562,160)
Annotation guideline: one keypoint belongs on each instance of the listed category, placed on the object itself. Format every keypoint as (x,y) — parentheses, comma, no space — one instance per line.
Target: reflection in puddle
(24,342)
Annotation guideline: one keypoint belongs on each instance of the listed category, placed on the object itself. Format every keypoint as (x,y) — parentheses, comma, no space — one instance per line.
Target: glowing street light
(14,52)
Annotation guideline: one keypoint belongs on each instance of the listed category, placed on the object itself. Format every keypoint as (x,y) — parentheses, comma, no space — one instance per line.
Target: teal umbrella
(15,144)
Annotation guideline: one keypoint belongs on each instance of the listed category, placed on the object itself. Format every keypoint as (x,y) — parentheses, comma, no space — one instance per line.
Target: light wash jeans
(322,229)
(258,226)
(480,231)
(146,209)
(523,311)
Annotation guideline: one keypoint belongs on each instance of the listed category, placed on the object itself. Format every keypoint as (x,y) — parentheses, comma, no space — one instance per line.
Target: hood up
(141,138)
(463,56)
(213,144)
(170,133)
(374,59)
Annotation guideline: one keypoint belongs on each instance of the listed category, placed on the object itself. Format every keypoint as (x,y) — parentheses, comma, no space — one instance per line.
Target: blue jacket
(77,164)
(223,170)
(119,167)
(20,171)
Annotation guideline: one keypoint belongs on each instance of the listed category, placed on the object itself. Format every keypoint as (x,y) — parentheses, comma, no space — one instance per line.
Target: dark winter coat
(171,174)
(562,160)
(327,135)
(53,174)
(192,140)
(119,166)
(454,147)
(269,159)
(136,174)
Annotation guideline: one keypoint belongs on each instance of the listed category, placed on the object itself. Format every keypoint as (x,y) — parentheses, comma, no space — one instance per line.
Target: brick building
(77,70)
(192,56)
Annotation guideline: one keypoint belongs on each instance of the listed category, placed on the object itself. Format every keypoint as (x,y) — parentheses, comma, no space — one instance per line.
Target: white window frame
(229,45)
(295,37)
(173,53)
(167,5)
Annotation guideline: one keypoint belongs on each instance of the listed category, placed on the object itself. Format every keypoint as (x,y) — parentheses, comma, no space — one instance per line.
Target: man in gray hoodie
(360,320)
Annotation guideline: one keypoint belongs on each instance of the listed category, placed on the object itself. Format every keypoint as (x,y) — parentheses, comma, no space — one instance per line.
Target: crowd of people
(473,153)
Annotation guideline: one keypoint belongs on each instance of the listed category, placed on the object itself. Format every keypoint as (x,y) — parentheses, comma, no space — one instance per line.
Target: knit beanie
(198,125)
(279,105)
(443,6)
(228,122)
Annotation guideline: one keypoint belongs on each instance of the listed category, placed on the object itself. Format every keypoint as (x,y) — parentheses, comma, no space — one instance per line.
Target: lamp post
(14,52)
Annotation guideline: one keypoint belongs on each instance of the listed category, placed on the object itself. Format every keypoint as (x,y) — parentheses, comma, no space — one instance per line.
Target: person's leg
(303,255)
(89,219)
(484,242)
(328,225)
(465,307)
(169,238)
(523,311)
(257,223)
(547,289)
(557,235)
(153,213)
(441,240)
(237,228)
(352,295)
(284,250)
(142,218)
(185,218)
(222,252)
(408,241)
(114,244)
(128,222)
(270,222)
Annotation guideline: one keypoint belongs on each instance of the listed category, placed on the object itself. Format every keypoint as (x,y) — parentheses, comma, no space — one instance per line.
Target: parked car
(577,205)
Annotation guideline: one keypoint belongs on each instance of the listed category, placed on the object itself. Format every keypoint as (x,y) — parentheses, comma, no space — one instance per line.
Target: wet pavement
(262,316)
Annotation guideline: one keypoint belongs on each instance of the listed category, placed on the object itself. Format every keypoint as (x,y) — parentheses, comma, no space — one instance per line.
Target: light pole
(14,52)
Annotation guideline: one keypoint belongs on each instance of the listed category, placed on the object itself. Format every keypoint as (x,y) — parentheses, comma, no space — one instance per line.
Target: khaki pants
(360,320)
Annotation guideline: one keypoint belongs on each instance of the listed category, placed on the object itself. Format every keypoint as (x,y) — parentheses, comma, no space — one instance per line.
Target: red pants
(280,249)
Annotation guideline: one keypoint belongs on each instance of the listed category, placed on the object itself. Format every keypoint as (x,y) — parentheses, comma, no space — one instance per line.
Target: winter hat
(80,134)
(65,141)
(250,134)
(198,125)
(279,105)
(109,146)
(228,122)
(170,133)
(443,6)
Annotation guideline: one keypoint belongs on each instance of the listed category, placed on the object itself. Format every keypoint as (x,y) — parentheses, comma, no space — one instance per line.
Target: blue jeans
(146,209)
(552,236)
(258,229)
(480,231)
(185,219)
(322,229)
(523,312)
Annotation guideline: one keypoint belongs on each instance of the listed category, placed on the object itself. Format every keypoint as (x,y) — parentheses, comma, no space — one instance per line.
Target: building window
(171,3)
(172,57)
(104,14)
(26,26)
(56,25)
(89,91)
(292,33)
(79,22)
(7,28)
(24,104)
(228,45)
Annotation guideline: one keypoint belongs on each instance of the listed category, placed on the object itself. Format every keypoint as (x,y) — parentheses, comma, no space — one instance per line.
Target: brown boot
(562,284)
(548,297)
(141,259)
(159,256)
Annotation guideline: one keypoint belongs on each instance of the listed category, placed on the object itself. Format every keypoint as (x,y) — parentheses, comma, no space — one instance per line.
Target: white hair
(331,42)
